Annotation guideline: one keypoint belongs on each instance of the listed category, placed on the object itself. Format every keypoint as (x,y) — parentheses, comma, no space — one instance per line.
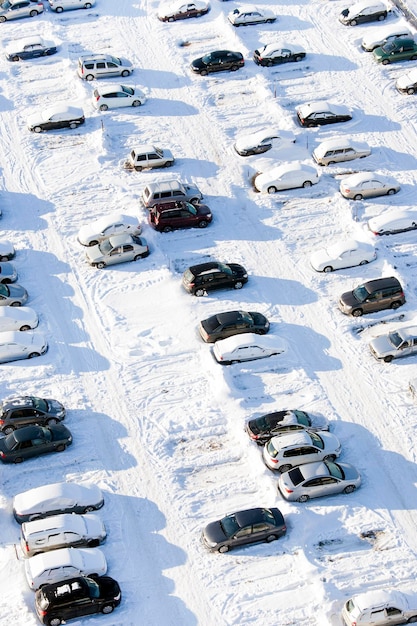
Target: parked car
(379,36)
(287,450)
(287,176)
(12,295)
(15,9)
(8,273)
(246,347)
(321,113)
(232,323)
(149,157)
(342,254)
(16,345)
(407,83)
(368,185)
(400,49)
(58,602)
(263,141)
(277,53)
(314,480)
(171,215)
(388,606)
(244,527)
(64,5)
(262,429)
(218,61)
(61,531)
(20,411)
(93,66)
(116,96)
(339,150)
(180,10)
(117,249)
(30,48)
(166,191)
(367,11)
(199,279)
(57,116)
(7,250)
(29,441)
(54,499)
(393,221)
(107,226)
(395,344)
(58,565)
(17,318)
(374,295)
(244,16)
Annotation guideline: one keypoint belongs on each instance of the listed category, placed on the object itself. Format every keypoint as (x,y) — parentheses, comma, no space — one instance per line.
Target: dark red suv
(165,217)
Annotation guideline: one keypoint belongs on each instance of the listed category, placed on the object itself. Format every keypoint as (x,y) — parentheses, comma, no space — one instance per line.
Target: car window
(100,66)
(243,532)
(261,527)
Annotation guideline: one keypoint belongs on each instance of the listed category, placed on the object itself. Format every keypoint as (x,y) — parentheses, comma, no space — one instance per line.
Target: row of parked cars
(16,9)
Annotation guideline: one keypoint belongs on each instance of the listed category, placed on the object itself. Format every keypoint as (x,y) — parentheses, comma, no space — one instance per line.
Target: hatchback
(283,177)
(262,429)
(16,345)
(368,185)
(12,295)
(400,49)
(232,323)
(117,249)
(218,61)
(102,66)
(374,295)
(22,411)
(199,279)
(286,450)
(15,9)
(276,54)
(116,96)
(148,156)
(31,441)
(395,344)
(58,565)
(314,480)
(58,116)
(171,215)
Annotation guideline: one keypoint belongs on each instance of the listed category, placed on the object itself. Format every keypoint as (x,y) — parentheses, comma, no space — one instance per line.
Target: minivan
(374,295)
(339,150)
(169,190)
(102,66)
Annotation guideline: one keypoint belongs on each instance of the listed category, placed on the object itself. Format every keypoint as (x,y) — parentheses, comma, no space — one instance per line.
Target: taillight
(289,490)
(274,461)
(26,546)
(1,421)
(347,190)
(97,98)
(2,455)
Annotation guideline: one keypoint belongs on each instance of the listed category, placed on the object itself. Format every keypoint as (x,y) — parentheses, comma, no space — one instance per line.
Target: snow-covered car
(54,499)
(180,10)
(117,249)
(52,567)
(393,221)
(60,115)
(244,16)
(148,156)
(365,11)
(12,295)
(29,48)
(346,253)
(277,53)
(15,9)
(286,450)
(339,150)
(378,36)
(31,441)
(287,176)
(7,250)
(65,5)
(407,83)
(116,96)
(107,226)
(17,318)
(8,273)
(315,480)
(321,113)
(387,606)
(16,345)
(395,344)
(263,140)
(247,347)
(368,185)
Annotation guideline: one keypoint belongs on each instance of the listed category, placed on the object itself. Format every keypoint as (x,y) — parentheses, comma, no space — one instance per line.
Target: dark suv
(165,217)
(199,279)
(28,410)
(375,295)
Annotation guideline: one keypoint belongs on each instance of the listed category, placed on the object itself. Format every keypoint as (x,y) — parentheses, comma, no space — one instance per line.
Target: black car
(55,117)
(27,410)
(218,61)
(322,113)
(75,597)
(199,279)
(273,54)
(231,323)
(30,48)
(243,527)
(262,429)
(30,441)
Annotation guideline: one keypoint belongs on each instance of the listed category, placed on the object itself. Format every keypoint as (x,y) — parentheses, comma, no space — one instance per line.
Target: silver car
(12,295)
(314,480)
(385,607)
(117,249)
(368,185)
(14,9)
(286,450)
(395,344)
(8,273)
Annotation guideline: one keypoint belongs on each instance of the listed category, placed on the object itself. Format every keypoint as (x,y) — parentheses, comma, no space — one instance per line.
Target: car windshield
(395,339)
(317,440)
(360,293)
(128,90)
(40,404)
(224,268)
(6,5)
(116,60)
(105,247)
(296,476)
(390,46)
(246,317)
(4,290)
(229,525)
(335,470)
(93,588)
(207,58)
(10,442)
(302,418)
(159,152)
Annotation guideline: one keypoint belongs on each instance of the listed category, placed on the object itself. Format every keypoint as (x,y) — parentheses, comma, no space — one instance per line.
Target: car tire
(100,265)
(271,538)
(234,68)
(238,285)
(37,129)
(15,58)
(104,107)
(8,430)
(107,608)
(353,23)
(307,183)
(93,243)
(390,192)
(18,459)
(4,258)
(138,168)
(87,5)
(271,21)
(54,621)
(33,13)
(358,196)
(169,164)
(52,421)
(395,305)
(202,224)
(136,103)
(223,549)
(272,189)
(24,328)
(90,77)
(328,269)
(2,18)
(89,509)
(199,293)
(194,201)
(410,90)
(330,457)
(167,229)
(297,58)
(171,19)
(349,489)
(388,358)
(73,125)
(137,257)
(386,62)
(412,620)
(16,304)
(303,498)
(60,448)
(364,262)
(59,9)
(357,312)
(203,72)
(284,468)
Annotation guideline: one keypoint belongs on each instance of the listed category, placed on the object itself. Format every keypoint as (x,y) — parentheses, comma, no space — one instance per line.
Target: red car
(171,215)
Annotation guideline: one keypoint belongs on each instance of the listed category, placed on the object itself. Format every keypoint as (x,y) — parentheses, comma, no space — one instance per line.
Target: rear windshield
(188,276)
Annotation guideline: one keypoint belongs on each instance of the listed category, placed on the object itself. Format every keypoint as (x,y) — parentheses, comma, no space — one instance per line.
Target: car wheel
(91,77)
(349,489)
(2,18)
(24,328)
(16,304)
(412,620)
(167,229)
(202,224)
(329,163)
(307,183)
(37,129)
(6,281)
(284,468)
(413,225)
(107,608)
(100,265)
(52,421)
(329,457)
(385,62)
(171,19)
(223,549)
(357,312)
(169,163)
(395,305)
(358,196)
(8,430)
(410,90)
(203,72)
(137,257)
(271,538)
(93,543)
(381,18)
(363,263)
(54,621)
(390,192)
(234,68)
(87,5)
(269,63)
(93,243)
(32,355)
(238,285)
(272,189)
(59,9)
(104,107)
(328,268)
(60,448)
(89,509)
(353,23)
(303,498)
(18,459)
(15,58)
(297,58)
(199,293)
(33,13)
(136,103)
(73,125)
(4,257)
(138,168)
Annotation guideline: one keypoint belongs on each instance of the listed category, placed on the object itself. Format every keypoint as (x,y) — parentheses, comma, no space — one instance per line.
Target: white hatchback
(116,96)
(57,565)
(288,176)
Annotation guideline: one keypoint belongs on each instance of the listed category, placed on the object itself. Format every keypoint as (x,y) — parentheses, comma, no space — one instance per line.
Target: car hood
(17,291)
(213,533)
(55,407)
(198,63)
(381,345)
(94,253)
(238,270)
(350,472)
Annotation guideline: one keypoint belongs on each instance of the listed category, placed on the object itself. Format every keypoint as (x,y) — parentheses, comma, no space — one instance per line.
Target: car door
(20,9)
(122,99)
(34,51)
(39,445)
(15,351)
(243,536)
(115,256)
(322,486)
(309,454)
(110,68)
(154,160)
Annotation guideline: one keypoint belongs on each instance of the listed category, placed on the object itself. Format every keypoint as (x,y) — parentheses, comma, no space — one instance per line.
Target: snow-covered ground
(157,423)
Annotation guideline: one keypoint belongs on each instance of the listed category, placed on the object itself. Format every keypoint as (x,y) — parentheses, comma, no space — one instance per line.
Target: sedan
(395,344)
(263,141)
(251,15)
(22,411)
(7,250)
(116,96)
(232,323)
(246,347)
(199,279)
(16,345)
(407,83)
(341,255)
(314,480)
(393,221)
(59,116)
(283,177)
(12,295)
(15,9)
(286,450)
(368,185)
(362,12)
(244,527)
(62,564)
(182,10)
(8,273)
(117,249)
(262,429)
(275,54)
(115,224)
(17,318)
(30,441)
(218,61)
(321,113)
(30,48)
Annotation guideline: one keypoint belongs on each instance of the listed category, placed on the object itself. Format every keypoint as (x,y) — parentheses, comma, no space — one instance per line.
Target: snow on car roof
(322,106)
(27,500)
(247,339)
(292,438)
(380,597)
(280,45)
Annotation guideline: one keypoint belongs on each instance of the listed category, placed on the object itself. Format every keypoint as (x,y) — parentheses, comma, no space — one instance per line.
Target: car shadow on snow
(22,211)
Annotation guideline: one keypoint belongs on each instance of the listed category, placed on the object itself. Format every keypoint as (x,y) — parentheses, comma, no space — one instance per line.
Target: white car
(52,567)
(16,345)
(368,185)
(15,9)
(107,226)
(17,318)
(246,347)
(342,254)
(262,141)
(393,221)
(339,150)
(116,96)
(64,5)
(378,36)
(382,607)
(251,15)
(407,83)
(289,176)
(289,449)
(395,344)
(181,10)
(7,250)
